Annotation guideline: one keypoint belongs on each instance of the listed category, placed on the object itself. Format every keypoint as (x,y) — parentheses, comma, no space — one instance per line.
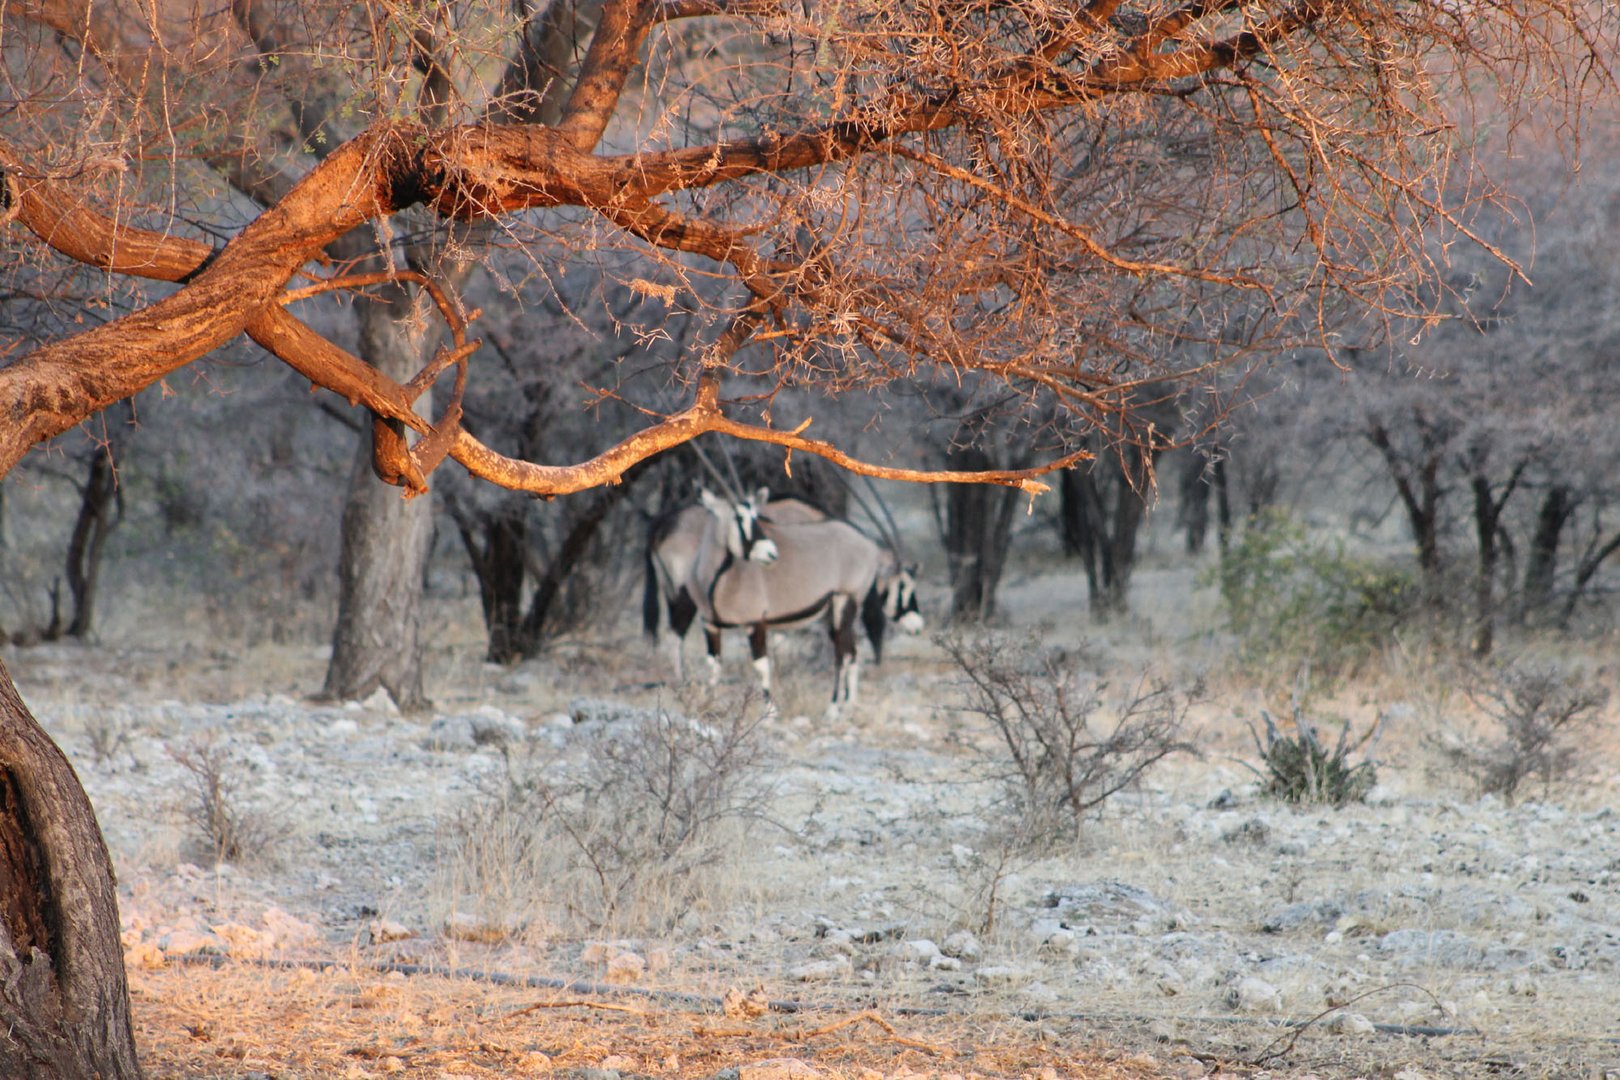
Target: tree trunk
(95,523)
(1488,508)
(497,546)
(978,532)
(1223,505)
(1196,489)
(1418,485)
(1541,563)
(386,538)
(64,1002)
(575,546)
(1586,568)
(1103,530)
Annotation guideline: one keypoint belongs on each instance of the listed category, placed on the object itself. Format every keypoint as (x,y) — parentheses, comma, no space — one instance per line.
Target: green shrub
(1292,601)
(1299,769)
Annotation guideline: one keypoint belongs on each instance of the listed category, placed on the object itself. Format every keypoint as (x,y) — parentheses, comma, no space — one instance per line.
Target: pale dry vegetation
(645,823)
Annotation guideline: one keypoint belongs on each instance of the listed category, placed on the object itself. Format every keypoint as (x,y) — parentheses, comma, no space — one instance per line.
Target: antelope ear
(709,499)
(762,496)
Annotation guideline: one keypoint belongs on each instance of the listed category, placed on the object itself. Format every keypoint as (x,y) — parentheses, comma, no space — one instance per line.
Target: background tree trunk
(64,1002)
(977,531)
(377,640)
(1102,510)
(497,546)
(1541,564)
(101,509)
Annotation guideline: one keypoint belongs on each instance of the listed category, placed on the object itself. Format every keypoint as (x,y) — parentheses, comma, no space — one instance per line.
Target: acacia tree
(1019,194)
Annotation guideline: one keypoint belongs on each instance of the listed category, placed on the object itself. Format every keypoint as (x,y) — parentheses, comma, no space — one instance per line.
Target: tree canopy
(1041,202)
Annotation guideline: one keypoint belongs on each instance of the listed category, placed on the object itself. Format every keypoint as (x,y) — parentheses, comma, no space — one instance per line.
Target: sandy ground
(1191,928)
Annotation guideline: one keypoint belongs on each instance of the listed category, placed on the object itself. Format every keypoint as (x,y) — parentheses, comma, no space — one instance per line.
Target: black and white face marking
(740,519)
(900,601)
(753,544)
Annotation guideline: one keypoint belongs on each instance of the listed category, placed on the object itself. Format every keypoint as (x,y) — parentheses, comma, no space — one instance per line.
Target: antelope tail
(651,594)
(875,620)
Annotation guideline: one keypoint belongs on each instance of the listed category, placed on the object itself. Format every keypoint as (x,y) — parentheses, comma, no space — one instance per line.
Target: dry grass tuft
(239,1019)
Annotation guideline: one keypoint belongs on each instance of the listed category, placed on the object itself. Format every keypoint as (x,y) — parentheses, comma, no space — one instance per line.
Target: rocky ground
(1428,932)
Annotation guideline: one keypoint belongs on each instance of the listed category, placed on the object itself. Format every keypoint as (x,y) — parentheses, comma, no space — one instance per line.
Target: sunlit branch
(1089,242)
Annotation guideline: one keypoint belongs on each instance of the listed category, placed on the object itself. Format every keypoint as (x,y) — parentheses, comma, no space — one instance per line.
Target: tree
(1018,195)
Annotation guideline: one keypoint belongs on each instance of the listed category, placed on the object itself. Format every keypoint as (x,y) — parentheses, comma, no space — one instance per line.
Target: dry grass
(238,1019)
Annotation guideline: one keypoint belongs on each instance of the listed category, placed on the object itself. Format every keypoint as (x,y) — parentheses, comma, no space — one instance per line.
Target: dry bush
(107,732)
(1068,747)
(1302,770)
(214,803)
(1541,711)
(641,829)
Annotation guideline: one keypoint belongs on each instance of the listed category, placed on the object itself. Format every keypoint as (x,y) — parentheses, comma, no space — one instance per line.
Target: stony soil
(1440,933)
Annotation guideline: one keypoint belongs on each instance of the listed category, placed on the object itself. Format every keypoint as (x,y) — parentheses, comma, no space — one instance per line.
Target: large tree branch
(620,33)
(97,240)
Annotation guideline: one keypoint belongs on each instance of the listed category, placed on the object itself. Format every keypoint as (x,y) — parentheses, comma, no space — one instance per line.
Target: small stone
(919,951)
(820,970)
(1350,1023)
(288,932)
(1252,995)
(962,945)
(185,942)
(1001,975)
(837,943)
(380,701)
(385,930)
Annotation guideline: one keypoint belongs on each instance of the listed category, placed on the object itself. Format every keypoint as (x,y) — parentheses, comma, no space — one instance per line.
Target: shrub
(632,835)
(1541,710)
(214,802)
(1291,601)
(1068,748)
(1301,770)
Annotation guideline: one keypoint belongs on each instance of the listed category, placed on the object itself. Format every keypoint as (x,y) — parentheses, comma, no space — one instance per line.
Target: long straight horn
(727,488)
(887,526)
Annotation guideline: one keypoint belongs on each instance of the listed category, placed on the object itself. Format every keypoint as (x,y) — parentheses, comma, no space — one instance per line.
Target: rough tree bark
(377,639)
(64,1002)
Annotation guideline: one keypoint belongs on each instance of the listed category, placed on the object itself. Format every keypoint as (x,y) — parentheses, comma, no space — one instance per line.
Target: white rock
(1001,975)
(379,701)
(820,970)
(919,951)
(382,930)
(1349,1023)
(962,945)
(287,932)
(185,942)
(1254,995)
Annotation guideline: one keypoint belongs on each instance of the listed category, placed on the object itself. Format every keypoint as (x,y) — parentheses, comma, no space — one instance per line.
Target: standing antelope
(673,543)
(821,566)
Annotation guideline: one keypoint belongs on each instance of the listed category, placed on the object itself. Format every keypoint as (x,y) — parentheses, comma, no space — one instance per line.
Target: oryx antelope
(822,567)
(673,544)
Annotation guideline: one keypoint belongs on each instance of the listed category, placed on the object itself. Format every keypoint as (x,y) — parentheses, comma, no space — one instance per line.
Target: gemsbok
(823,566)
